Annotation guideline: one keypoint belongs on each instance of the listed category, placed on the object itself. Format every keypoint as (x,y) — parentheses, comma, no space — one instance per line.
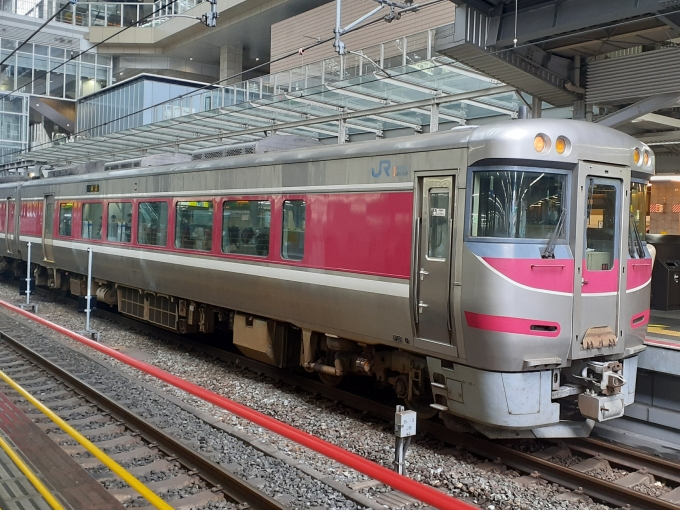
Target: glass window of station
(29,70)
(518,204)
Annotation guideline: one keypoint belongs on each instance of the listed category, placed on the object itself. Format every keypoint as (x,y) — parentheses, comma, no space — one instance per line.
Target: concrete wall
(301,30)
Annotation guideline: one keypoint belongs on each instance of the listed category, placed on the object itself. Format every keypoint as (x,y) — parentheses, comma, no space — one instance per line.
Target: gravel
(431,462)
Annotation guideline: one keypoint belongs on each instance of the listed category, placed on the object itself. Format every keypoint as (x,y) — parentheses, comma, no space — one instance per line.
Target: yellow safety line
(51,500)
(100,455)
(660,331)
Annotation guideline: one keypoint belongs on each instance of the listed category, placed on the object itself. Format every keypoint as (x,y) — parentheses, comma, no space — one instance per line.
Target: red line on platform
(422,492)
(664,343)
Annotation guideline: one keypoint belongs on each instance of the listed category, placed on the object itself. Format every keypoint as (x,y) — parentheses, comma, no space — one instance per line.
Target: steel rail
(626,457)
(602,490)
(234,487)
(605,491)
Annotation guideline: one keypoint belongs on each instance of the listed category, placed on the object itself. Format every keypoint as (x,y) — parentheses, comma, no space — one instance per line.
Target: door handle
(584,282)
(422,273)
(421,305)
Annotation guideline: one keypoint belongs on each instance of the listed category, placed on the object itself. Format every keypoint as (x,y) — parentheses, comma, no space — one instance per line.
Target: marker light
(541,143)
(561,145)
(637,156)
(645,158)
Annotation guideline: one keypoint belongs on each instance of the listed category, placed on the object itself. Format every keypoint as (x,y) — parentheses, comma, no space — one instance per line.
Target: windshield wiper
(549,252)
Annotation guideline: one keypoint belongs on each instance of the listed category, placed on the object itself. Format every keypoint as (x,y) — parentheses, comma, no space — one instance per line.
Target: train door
(48,228)
(10,223)
(432,263)
(598,254)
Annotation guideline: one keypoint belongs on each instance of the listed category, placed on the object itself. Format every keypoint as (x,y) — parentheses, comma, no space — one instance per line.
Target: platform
(653,421)
(68,481)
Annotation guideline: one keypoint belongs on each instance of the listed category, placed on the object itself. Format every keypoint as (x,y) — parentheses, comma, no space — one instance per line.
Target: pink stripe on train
(512,325)
(546,274)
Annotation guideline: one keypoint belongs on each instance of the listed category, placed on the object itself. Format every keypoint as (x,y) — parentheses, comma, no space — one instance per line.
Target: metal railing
(100,14)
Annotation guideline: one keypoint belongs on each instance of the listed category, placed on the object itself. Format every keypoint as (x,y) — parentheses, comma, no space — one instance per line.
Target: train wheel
(330,380)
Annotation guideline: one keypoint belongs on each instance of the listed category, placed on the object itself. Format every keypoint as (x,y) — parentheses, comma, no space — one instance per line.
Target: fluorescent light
(672,178)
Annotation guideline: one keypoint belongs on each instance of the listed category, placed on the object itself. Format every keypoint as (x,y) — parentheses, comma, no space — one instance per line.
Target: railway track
(170,468)
(605,472)
(601,478)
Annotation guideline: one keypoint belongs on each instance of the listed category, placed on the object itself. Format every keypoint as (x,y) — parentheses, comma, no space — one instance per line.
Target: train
(496,276)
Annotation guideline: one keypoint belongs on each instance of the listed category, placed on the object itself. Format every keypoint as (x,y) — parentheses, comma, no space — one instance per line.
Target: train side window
(92,221)
(245,227)
(293,245)
(65,216)
(119,227)
(193,225)
(152,223)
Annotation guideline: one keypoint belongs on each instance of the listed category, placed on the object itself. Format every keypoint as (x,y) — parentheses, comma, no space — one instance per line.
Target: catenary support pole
(28,305)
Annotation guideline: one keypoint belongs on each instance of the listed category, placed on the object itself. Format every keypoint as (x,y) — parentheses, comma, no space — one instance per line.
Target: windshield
(638,206)
(517,204)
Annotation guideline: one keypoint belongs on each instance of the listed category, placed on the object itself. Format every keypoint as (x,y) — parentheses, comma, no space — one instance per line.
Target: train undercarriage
(573,398)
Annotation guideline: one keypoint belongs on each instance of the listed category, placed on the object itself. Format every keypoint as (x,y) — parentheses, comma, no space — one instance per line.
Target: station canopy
(432,92)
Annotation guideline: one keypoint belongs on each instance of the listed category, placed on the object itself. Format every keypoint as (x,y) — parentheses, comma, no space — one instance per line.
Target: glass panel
(49,219)
(7,71)
(245,227)
(601,226)
(113,18)
(57,82)
(65,214)
(639,207)
(92,221)
(193,225)
(293,245)
(438,237)
(70,81)
(152,226)
(517,204)
(120,222)
(24,73)
(40,75)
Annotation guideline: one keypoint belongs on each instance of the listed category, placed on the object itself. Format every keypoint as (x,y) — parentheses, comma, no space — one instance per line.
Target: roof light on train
(646,158)
(562,145)
(637,156)
(541,143)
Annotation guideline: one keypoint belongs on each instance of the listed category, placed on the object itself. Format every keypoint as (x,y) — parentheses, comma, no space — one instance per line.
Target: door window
(601,226)
(438,238)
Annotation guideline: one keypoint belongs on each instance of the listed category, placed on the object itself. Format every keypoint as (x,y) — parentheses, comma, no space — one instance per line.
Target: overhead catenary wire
(183,96)
(73,57)
(36,32)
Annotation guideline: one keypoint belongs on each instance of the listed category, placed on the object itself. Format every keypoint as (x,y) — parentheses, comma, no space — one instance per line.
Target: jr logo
(385,167)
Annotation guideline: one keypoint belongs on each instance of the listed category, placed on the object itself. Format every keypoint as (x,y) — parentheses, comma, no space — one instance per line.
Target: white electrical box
(405,423)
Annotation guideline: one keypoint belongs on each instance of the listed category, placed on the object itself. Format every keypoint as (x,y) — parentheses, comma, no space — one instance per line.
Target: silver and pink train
(497,275)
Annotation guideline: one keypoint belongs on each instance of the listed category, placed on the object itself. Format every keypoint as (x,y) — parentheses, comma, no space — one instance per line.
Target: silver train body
(495,278)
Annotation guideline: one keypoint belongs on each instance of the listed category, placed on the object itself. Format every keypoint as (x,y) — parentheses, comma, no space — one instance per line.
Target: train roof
(507,140)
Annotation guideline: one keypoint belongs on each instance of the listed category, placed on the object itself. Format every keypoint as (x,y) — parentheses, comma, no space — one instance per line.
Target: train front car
(555,279)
